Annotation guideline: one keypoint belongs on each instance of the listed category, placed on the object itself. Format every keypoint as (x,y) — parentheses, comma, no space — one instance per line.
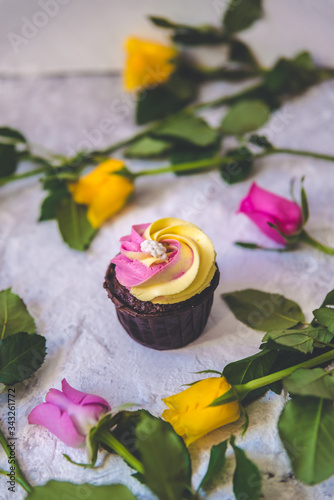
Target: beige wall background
(60,36)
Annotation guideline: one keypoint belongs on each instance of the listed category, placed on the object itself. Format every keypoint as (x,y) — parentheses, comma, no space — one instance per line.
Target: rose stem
(18,473)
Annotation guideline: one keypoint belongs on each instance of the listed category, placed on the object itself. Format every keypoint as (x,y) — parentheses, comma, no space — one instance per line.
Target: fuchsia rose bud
(70,414)
(262,206)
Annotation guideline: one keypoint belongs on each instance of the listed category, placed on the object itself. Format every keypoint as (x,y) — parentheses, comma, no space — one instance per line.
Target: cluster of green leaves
(59,205)
(249,109)
(165,459)
(182,87)
(306,425)
(247,480)
(22,351)
(167,468)
(72,220)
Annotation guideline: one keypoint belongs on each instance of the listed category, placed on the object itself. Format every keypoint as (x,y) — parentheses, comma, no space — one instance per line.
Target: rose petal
(262,206)
(58,423)
(82,398)
(109,200)
(261,220)
(189,412)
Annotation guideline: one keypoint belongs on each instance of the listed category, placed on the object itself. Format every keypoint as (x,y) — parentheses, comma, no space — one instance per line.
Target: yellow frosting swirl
(195,247)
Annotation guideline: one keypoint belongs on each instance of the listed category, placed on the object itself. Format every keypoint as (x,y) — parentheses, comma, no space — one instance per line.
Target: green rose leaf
(245,116)
(261,141)
(292,76)
(263,311)
(329,299)
(21,355)
(162,22)
(9,157)
(55,490)
(148,147)
(302,340)
(317,382)
(253,367)
(73,224)
(254,246)
(325,316)
(247,481)
(240,52)
(187,128)
(165,458)
(260,93)
(306,428)
(216,463)
(164,99)
(184,153)
(304,203)
(241,14)
(162,452)
(239,167)
(191,35)
(14,315)
(50,203)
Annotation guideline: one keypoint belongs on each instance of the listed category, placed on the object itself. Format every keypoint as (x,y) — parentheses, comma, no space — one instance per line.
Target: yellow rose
(148,63)
(103,191)
(190,414)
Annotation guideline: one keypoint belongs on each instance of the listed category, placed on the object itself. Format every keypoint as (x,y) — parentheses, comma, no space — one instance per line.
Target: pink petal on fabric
(82,398)
(58,423)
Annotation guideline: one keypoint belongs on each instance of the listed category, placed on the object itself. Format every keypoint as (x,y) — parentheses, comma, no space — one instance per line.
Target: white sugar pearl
(157,250)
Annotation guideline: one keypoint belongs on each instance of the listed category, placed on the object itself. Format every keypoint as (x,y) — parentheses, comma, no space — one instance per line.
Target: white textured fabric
(63,288)
(47,36)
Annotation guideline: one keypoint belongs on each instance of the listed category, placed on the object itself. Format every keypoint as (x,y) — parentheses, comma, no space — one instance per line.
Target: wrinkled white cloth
(63,288)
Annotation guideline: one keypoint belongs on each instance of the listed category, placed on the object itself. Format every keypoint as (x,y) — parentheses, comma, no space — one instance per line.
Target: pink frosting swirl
(131,271)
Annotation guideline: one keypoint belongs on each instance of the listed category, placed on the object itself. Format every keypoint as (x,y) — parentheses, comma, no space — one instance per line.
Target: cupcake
(162,283)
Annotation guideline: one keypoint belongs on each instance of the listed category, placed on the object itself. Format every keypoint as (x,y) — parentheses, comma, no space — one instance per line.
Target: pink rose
(262,206)
(70,414)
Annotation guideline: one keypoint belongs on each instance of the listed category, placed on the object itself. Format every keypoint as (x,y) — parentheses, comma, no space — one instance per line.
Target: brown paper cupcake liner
(175,327)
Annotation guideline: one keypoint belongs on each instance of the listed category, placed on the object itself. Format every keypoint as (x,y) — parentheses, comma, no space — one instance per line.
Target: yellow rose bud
(190,414)
(103,191)
(148,63)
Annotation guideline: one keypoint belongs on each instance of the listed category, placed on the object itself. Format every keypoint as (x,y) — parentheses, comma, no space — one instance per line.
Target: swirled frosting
(165,262)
